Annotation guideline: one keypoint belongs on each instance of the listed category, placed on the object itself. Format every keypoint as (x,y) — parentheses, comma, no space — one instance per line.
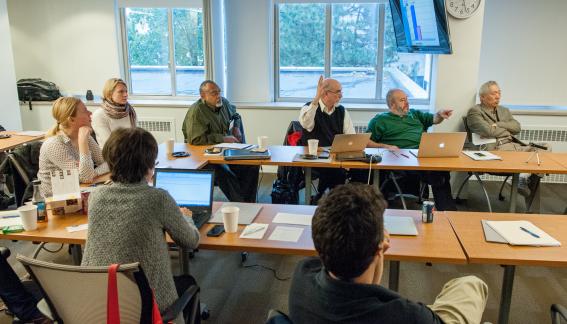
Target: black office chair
(558,314)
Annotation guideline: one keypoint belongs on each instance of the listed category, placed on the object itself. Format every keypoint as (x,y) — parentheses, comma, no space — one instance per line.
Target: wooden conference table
(512,162)
(468,228)
(436,242)
(16,140)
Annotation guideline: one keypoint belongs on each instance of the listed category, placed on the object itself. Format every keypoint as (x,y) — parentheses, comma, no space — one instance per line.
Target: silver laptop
(350,146)
(441,144)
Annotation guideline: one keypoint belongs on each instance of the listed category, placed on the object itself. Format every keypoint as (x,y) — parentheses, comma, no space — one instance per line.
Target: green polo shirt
(403,132)
(203,125)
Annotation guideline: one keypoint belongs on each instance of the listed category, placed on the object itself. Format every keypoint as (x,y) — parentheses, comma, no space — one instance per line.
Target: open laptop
(350,146)
(192,189)
(441,144)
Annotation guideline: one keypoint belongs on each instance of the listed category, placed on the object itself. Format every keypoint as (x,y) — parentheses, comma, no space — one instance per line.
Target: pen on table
(405,155)
(254,230)
(395,154)
(529,232)
(10,216)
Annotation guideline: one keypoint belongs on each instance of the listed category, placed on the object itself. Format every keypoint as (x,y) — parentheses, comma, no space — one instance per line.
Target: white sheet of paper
(254,231)
(31,133)
(479,140)
(286,233)
(481,155)
(10,218)
(77,228)
(233,145)
(295,219)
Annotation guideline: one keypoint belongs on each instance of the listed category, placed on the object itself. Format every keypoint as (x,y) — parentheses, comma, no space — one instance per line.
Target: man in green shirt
(402,127)
(212,120)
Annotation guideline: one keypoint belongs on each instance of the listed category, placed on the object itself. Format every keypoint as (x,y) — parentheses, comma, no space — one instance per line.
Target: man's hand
(391,147)
(320,91)
(237,133)
(230,139)
(186,212)
(445,113)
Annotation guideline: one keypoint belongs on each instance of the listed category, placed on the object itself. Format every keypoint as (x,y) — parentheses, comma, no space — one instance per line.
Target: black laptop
(192,189)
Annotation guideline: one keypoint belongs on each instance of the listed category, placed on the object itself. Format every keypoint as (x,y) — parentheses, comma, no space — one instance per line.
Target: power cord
(370,165)
(274,272)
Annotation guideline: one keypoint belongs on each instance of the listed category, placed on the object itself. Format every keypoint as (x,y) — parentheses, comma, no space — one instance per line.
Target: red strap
(156,316)
(112,307)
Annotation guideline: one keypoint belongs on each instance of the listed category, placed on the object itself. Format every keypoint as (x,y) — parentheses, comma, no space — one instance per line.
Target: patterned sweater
(127,224)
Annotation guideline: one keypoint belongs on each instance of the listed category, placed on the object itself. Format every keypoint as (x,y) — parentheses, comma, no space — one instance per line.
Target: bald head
(333,92)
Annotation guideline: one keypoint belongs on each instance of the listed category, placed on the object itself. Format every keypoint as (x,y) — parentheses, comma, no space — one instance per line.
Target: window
(164,50)
(351,42)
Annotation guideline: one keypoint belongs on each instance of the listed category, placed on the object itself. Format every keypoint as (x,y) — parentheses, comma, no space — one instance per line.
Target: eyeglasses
(337,92)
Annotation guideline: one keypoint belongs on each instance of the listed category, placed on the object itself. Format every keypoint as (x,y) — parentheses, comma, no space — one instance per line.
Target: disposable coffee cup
(28,214)
(230,218)
(262,142)
(313,145)
(169,146)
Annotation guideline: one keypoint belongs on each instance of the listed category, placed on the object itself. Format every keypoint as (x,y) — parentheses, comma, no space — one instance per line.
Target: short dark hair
(130,154)
(348,227)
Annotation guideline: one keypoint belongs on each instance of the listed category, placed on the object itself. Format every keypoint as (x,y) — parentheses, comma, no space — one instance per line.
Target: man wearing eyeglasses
(322,119)
(211,120)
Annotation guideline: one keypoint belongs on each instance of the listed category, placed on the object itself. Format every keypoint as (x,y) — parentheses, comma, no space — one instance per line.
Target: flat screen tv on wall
(421,26)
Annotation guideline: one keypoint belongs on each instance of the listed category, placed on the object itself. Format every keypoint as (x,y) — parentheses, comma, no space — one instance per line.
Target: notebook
(400,225)
(233,154)
(246,214)
(522,233)
(192,189)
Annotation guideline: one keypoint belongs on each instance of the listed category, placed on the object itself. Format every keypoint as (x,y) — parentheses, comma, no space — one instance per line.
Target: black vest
(326,126)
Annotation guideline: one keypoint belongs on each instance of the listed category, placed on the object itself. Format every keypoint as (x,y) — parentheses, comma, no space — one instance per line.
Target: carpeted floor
(238,294)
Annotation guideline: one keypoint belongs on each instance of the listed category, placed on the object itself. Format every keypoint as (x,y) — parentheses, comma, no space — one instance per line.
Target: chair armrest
(177,307)
(557,312)
(4,252)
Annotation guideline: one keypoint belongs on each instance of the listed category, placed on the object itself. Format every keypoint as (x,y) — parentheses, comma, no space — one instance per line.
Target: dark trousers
(20,298)
(181,284)
(409,183)
(329,178)
(238,182)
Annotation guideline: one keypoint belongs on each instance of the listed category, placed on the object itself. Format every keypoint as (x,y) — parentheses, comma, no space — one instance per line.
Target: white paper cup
(313,145)
(28,214)
(230,218)
(262,142)
(169,146)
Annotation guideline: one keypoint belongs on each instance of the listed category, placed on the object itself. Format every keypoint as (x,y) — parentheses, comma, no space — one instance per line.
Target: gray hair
(204,85)
(390,96)
(485,87)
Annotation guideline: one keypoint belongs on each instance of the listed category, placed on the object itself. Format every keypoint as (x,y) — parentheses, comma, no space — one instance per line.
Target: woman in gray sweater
(128,219)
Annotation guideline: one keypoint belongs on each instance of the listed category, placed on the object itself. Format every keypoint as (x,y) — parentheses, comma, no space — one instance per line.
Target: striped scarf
(115,111)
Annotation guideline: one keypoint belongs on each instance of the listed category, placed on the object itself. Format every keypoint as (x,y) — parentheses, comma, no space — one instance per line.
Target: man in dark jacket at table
(342,285)
(212,120)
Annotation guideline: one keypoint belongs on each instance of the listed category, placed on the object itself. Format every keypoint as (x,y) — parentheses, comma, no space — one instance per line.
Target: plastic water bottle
(39,201)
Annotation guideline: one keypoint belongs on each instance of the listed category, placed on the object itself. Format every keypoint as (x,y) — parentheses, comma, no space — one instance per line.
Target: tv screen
(421,26)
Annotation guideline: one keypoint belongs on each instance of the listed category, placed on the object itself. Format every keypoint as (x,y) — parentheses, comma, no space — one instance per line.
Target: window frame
(207,45)
(328,54)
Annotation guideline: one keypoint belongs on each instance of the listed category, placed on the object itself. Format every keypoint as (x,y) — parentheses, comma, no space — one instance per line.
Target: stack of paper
(522,233)
(481,155)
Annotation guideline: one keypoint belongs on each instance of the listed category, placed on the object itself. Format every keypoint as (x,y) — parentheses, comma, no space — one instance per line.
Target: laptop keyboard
(200,218)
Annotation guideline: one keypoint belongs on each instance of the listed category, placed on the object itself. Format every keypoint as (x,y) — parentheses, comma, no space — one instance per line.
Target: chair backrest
(77,294)
(467,129)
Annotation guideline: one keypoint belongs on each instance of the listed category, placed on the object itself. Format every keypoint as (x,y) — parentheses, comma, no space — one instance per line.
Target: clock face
(462,8)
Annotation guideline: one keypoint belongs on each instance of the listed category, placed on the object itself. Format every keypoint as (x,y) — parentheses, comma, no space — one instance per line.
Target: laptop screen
(189,188)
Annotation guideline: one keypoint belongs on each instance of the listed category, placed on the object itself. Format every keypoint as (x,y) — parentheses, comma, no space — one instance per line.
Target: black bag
(284,193)
(37,90)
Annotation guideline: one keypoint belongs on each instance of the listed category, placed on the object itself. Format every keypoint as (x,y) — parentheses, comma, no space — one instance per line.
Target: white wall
(8,92)
(72,43)
(524,48)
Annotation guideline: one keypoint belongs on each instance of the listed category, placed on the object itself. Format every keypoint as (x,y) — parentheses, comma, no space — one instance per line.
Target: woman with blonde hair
(69,145)
(115,111)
